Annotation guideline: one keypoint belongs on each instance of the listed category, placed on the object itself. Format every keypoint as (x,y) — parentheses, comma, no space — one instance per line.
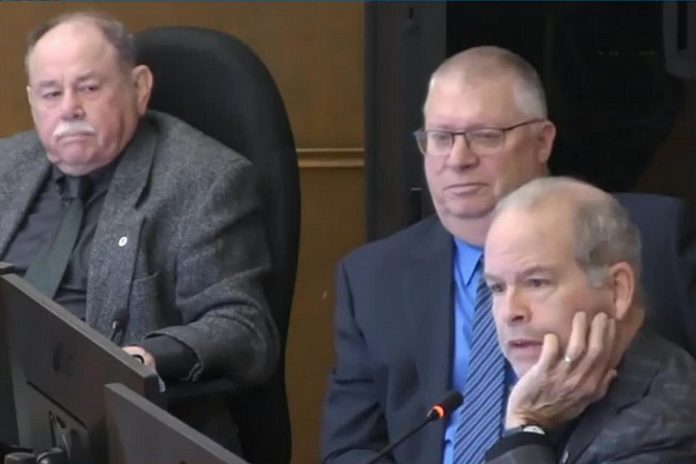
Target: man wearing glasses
(413,315)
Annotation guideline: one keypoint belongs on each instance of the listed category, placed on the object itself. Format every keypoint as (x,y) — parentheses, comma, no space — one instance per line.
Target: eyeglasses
(483,141)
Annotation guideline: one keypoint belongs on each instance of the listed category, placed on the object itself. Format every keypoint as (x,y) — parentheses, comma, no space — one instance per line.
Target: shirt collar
(101,178)
(468,257)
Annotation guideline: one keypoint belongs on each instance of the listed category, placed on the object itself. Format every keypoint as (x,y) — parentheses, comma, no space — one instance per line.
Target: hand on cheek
(561,385)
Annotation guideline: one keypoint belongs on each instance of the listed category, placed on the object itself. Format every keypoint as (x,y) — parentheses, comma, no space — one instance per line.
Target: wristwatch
(527,428)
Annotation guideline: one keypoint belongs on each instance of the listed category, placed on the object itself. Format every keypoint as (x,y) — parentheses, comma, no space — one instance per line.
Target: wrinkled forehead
(522,234)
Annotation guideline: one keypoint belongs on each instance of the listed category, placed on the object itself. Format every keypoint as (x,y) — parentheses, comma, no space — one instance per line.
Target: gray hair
(485,62)
(603,233)
(114,31)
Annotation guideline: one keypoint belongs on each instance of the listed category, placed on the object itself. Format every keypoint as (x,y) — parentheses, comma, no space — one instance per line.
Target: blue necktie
(481,417)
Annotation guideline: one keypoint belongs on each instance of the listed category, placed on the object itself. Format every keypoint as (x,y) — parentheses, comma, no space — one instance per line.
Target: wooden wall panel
(314,51)
(332,224)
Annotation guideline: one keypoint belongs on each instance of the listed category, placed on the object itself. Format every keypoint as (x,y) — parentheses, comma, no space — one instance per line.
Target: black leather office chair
(668,233)
(219,85)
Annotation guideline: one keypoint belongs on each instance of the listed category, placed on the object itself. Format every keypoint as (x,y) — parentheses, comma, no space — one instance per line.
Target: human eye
(90,87)
(50,95)
(496,288)
(537,282)
(438,143)
(439,138)
(485,137)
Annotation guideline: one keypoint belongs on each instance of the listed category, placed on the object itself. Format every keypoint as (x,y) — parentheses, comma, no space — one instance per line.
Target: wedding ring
(568,359)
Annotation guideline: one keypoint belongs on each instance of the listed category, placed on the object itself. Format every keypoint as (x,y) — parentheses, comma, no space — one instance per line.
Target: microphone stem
(387,449)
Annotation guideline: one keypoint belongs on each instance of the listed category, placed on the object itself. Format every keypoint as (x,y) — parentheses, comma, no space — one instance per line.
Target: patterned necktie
(47,269)
(481,417)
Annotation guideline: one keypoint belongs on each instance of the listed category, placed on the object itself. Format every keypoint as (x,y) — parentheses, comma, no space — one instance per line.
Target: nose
(71,106)
(461,156)
(512,307)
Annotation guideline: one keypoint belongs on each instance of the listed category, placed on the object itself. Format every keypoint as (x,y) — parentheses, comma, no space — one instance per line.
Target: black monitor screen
(58,368)
(140,432)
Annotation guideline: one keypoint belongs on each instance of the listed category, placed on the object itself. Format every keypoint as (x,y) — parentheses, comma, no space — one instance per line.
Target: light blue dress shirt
(466,278)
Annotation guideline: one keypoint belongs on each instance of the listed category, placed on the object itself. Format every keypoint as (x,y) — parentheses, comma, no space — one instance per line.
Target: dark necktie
(481,417)
(48,268)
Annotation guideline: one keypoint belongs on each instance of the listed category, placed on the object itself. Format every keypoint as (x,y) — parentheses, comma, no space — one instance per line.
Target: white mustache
(73,127)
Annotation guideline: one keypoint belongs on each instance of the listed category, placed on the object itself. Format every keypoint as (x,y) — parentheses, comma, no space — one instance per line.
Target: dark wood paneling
(332,224)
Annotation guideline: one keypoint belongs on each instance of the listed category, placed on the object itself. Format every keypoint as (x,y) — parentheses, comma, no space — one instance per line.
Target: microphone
(451,401)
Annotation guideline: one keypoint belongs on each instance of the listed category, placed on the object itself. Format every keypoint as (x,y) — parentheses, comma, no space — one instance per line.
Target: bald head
(478,65)
(112,30)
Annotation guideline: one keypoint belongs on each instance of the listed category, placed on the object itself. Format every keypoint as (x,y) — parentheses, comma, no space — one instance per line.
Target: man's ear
(30,99)
(623,286)
(142,79)
(545,138)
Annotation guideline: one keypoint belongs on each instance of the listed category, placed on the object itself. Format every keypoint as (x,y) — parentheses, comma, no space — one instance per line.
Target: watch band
(528,428)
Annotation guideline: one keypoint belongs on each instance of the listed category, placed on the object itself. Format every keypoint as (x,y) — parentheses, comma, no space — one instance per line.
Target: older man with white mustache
(166,253)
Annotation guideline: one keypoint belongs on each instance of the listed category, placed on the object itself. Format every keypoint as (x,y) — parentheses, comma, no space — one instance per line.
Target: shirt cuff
(173,359)
(516,440)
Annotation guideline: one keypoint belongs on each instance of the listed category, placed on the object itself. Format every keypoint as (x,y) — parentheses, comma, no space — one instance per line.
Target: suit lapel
(115,244)
(635,374)
(429,291)
(18,186)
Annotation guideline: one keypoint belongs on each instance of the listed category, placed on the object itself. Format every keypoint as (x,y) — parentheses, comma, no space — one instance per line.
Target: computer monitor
(140,432)
(59,366)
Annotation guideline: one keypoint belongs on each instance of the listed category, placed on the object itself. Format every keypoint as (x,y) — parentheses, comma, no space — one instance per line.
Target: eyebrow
(458,129)
(537,269)
(80,79)
(88,76)
(44,84)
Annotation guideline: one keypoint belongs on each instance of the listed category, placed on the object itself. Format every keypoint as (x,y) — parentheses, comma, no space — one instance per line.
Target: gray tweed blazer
(179,248)
(647,417)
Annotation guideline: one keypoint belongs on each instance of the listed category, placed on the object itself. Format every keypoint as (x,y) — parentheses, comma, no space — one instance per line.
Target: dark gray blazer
(647,417)
(179,248)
